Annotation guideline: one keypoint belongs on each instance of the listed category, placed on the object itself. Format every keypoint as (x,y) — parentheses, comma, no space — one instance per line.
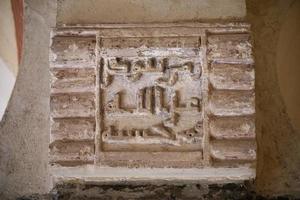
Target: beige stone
(25,127)
(72,12)
(165,95)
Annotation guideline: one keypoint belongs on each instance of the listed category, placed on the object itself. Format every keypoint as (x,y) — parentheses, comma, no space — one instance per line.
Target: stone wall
(159,95)
(24,130)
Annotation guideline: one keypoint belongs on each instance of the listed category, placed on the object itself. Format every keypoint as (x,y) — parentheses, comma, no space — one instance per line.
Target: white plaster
(7,82)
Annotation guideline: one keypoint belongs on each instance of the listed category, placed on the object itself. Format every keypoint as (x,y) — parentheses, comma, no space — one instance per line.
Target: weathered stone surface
(72,129)
(73,52)
(231,99)
(234,128)
(233,76)
(26,123)
(73,80)
(150,191)
(182,191)
(233,152)
(72,105)
(229,47)
(153,96)
(72,153)
(231,103)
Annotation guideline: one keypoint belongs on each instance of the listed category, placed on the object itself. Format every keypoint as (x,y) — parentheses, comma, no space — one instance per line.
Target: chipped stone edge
(157,176)
(158,25)
(110,175)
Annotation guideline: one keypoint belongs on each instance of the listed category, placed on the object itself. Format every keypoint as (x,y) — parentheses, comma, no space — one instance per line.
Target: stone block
(233,76)
(73,52)
(234,128)
(168,95)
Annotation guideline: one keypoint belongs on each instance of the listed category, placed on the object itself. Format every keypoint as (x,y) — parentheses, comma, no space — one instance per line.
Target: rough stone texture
(231,191)
(180,191)
(147,95)
(23,143)
(24,130)
(147,11)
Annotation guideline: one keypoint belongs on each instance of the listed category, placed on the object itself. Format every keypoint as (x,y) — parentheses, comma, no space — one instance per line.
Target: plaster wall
(276,32)
(24,131)
(145,11)
(288,66)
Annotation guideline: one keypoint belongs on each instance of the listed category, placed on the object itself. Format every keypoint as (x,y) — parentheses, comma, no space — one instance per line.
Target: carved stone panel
(153,96)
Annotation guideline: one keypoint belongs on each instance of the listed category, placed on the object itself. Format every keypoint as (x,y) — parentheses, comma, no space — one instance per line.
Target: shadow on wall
(288,64)
(276,32)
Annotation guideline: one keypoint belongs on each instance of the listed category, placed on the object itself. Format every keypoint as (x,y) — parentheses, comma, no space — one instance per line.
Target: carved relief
(231,104)
(163,91)
(179,96)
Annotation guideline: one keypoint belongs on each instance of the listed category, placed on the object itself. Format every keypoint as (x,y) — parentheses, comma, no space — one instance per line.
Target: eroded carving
(177,96)
(163,90)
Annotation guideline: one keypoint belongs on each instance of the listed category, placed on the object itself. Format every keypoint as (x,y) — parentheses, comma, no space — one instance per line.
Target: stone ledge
(147,11)
(111,175)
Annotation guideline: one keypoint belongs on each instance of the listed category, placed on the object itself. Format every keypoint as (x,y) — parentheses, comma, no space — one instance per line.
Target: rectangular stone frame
(227,87)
